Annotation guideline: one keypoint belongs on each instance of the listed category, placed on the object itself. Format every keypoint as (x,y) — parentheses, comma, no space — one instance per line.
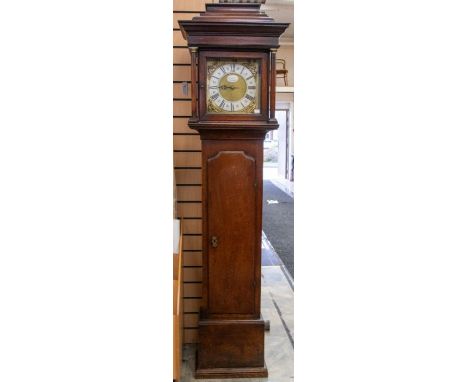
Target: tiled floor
(278,308)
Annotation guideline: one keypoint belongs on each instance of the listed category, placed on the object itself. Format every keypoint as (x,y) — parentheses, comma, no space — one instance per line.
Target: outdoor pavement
(278,222)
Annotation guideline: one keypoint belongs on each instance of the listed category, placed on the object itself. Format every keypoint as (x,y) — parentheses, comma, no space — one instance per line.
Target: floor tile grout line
(286,328)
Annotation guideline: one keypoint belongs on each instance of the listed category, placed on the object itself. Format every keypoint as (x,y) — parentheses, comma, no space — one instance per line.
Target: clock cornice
(233,26)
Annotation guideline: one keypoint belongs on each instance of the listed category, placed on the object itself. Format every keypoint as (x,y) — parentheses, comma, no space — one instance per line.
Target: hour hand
(224,87)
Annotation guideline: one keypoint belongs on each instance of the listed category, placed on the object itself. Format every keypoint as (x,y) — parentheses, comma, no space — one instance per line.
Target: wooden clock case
(231,329)
(221,54)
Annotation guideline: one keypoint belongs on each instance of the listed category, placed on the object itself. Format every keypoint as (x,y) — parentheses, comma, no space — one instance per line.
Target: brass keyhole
(214,241)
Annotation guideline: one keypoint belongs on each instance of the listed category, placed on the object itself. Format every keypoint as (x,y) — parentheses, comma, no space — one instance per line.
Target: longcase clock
(233,48)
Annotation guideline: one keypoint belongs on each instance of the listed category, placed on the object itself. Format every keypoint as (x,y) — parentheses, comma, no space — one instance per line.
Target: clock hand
(224,87)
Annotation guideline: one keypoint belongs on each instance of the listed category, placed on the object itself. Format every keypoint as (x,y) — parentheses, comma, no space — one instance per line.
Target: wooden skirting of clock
(233,53)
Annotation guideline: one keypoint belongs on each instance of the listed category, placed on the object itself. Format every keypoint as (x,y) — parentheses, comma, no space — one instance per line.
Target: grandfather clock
(233,47)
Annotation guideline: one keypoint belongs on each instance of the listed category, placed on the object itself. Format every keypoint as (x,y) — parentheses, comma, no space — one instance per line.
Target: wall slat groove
(181,56)
(187,168)
(193,274)
(193,258)
(191,12)
(178,91)
(190,5)
(178,39)
(182,108)
(181,159)
(192,242)
(188,177)
(181,73)
(189,209)
(187,142)
(192,226)
(191,320)
(190,336)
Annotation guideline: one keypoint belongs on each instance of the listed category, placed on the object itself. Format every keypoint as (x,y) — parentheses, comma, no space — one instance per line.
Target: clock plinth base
(231,349)
(253,372)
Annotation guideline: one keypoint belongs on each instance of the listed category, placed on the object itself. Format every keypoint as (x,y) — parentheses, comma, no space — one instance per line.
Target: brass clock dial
(233,87)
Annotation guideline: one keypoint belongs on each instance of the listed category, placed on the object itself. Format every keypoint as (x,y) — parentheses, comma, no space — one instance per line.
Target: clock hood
(233,25)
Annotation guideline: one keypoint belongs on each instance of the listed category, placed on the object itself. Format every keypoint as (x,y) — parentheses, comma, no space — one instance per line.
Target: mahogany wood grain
(231,330)
(272,84)
(204,56)
(243,350)
(239,179)
(194,82)
(230,182)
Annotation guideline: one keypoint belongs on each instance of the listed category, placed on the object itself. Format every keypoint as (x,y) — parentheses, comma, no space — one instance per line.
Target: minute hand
(224,87)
